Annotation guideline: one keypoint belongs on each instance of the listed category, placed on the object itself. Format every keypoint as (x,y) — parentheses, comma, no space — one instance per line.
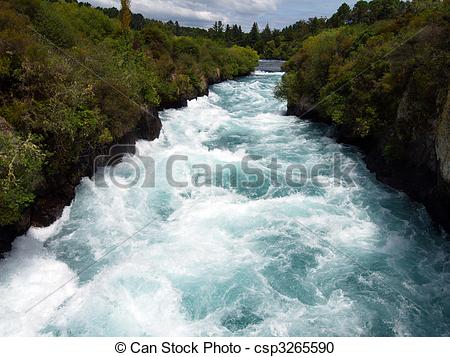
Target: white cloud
(249,7)
(176,9)
(203,13)
(206,11)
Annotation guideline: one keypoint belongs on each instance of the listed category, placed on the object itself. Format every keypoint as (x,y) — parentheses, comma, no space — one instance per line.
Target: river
(327,258)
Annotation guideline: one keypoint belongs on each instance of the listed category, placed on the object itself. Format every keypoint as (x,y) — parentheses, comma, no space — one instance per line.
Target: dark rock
(10,232)
(48,209)
(305,110)
(7,236)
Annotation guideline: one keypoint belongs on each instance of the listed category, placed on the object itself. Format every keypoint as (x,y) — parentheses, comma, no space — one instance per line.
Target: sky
(203,13)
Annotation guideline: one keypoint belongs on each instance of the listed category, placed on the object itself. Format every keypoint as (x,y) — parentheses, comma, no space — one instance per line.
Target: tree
(137,22)
(360,12)
(341,17)
(384,9)
(229,39)
(177,28)
(217,30)
(269,49)
(125,14)
(253,36)
(111,12)
(240,35)
(276,34)
(266,35)
(316,24)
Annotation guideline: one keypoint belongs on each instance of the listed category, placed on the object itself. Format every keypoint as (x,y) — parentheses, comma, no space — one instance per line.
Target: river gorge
(354,258)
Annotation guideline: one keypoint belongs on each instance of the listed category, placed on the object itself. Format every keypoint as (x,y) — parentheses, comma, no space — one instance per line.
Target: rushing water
(348,260)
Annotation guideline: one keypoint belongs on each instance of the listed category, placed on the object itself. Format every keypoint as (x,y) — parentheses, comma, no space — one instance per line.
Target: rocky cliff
(423,170)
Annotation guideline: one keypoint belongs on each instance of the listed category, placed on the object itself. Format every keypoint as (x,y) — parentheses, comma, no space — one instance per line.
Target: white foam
(215,261)
(264,73)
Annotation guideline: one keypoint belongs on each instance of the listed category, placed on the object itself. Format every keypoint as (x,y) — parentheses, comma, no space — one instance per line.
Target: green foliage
(240,61)
(341,17)
(383,77)
(155,40)
(311,66)
(282,44)
(185,46)
(85,22)
(125,14)
(20,168)
(50,26)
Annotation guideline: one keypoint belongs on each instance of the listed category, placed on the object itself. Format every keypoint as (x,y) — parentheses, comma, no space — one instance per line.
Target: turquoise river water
(350,259)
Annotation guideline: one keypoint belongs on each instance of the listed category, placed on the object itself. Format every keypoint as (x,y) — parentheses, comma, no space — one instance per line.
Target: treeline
(287,41)
(74,80)
(275,43)
(282,44)
(382,80)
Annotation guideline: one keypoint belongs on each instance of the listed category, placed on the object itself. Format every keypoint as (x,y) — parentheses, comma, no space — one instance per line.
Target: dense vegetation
(274,43)
(363,76)
(73,80)
(282,44)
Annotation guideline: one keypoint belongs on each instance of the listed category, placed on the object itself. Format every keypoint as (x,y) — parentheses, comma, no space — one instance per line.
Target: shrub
(52,28)
(185,46)
(20,170)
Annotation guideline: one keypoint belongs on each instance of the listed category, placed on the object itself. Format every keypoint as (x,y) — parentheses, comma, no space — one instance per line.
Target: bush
(155,39)
(52,28)
(20,170)
(185,46)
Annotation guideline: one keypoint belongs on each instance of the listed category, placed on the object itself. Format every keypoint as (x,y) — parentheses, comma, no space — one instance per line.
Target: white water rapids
(345,260)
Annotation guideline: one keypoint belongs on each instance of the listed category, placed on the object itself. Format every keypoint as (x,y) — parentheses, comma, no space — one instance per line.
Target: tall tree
(341,17)
(125,14)
(229,38)
(266,35)
(361,12)
(177,28)
(253,36)
(237,35)
(316,24)
(217,30)
(384,9)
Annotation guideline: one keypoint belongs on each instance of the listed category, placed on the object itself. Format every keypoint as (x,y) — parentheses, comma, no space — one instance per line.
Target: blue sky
(202,13)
